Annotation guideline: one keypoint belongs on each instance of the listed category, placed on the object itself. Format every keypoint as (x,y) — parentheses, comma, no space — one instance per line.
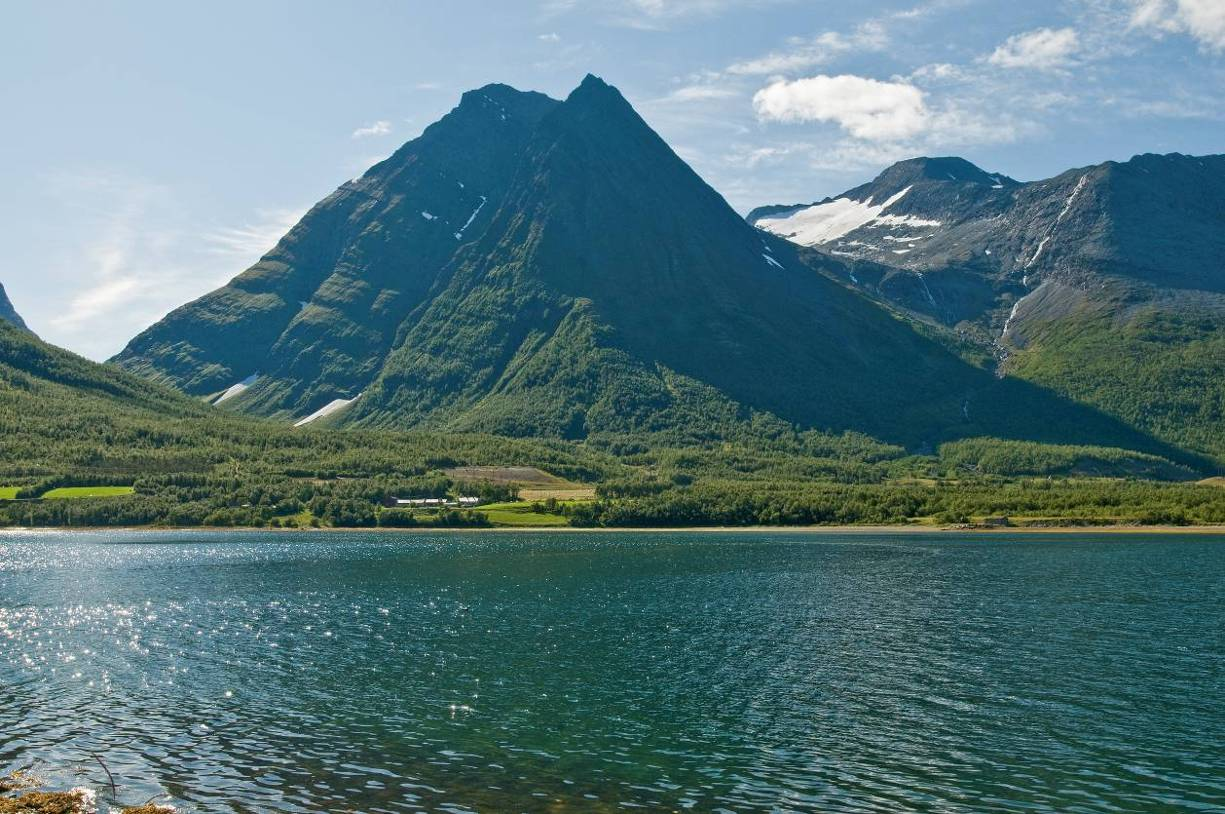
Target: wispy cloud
(874,34)
(1045,49)
(137,256)
(824,48)
(250,241)
(117,207)
(379,128)
(649,14)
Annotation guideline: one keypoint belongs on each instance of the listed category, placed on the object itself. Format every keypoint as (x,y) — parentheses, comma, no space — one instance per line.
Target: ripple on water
(750,672)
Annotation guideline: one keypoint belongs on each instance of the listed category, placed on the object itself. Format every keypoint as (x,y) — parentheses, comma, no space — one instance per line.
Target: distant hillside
(59,409)
(1105,284)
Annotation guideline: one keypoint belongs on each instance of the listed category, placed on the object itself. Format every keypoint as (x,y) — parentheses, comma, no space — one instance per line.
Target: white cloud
(117,207)
(1202,19)
(379,128)
(865,108)
(804,54)
(550,37)
(1044,49)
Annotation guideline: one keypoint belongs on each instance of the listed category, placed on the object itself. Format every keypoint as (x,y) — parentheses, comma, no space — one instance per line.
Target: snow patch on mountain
(235,389)
(326,410)
(904,220)
(472,217)
(927,291)
(1063,213)
(821,223)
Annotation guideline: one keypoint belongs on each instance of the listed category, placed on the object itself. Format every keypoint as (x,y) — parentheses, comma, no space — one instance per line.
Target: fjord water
(798,671)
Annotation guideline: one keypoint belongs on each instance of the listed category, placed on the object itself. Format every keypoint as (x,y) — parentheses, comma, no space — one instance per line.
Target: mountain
(8,313)
(533,267)
(314,318)
(1105,283)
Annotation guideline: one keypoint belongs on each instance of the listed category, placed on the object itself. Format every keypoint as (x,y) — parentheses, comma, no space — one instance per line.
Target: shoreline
(914,529)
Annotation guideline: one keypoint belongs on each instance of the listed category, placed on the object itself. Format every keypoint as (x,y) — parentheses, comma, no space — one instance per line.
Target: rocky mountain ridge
(1010,266)
(536,267)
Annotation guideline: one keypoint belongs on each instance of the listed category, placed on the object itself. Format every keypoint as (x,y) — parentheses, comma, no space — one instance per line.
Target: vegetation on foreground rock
(74,801)
(77,801)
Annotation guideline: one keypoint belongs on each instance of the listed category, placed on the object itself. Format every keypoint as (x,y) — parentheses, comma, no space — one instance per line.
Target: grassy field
(534,484)
(522,475)
(70,492)
(520,514)
(8,492)
(569,492)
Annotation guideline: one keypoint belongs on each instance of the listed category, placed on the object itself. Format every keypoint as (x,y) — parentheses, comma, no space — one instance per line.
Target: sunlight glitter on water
(749,672)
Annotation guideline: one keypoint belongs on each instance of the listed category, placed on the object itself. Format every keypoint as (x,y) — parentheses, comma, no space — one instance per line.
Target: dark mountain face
(8,313)
(613,277)
(1033,270)
(1154,220)
(534,267)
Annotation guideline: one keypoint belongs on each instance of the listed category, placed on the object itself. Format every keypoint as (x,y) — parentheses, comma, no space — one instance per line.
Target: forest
(90,445)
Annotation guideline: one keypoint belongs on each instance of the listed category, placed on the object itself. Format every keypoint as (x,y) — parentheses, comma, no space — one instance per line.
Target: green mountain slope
(69,420)
(60,410)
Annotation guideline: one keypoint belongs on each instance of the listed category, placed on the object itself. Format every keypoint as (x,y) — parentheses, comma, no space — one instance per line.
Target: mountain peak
(918,192)
(593,81)
(505,100)
(594,90)
(8,313)
(944,168)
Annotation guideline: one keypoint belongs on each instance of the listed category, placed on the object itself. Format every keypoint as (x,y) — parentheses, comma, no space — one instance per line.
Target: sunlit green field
(68,492)
(8,492)
(520,514)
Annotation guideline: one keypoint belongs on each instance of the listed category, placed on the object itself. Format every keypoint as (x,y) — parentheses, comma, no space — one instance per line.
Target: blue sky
(153,150)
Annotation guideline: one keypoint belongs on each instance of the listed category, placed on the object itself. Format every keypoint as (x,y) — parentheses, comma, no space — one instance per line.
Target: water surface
(258,672)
